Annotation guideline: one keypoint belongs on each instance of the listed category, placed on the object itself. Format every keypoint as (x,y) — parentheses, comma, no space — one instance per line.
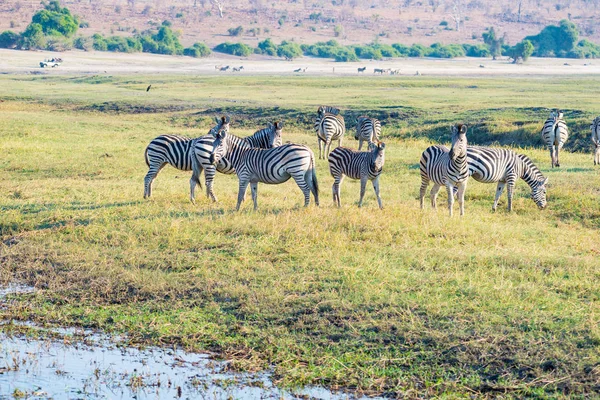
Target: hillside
(310,21)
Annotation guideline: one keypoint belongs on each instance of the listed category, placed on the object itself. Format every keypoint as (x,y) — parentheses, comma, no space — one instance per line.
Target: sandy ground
(80,62)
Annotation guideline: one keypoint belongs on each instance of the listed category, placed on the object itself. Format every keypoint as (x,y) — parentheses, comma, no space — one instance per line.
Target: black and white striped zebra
(363,165)
(595,128)
(266,138)
(175,150)
(446,168)
(504,166)
(272,166)
(554,134)
(367,130)
(330,126)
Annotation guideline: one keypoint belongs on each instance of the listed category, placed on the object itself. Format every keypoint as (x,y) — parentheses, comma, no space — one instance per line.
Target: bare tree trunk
(519,13)
(219,5)
(457,13)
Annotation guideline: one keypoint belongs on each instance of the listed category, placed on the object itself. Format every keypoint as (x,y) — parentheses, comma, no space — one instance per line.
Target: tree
(55,20)
(494,44)
(457,13)
(33,37)
(8,39)
(289,50)
(521,51)
(555,41)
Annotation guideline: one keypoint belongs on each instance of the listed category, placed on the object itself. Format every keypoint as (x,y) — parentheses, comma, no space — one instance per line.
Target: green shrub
(585,49)
(449,51)
(236,31)
(56,21)
(289,50)
(33,37)
(346,55)
(266,47)
(555,41)
(197,50)
(99,43)
(236,49)
(402,49)
(8,39)
(368,52)
(83,43)
(418,50)
(476,50)
(521,51)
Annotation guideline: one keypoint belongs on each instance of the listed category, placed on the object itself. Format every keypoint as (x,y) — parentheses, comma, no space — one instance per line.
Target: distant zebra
(265,138)
(555,133)
(235,69)
(272,166)
(175,150)
(379,71)
(595,128)
(363,165)
(363,69)
(489,165)
(224,68)
(446,168)
(330,126)
(367,130)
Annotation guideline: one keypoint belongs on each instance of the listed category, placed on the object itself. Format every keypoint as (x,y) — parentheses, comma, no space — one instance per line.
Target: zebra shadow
(77,206)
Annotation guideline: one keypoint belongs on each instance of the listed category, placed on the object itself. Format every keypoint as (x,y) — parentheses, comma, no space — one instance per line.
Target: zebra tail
(315,182)
(146,157)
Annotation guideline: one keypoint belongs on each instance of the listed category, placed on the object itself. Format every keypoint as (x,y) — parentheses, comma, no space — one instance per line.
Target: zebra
(330,126)
(367,130)
(272,166)
(595,128)
(446,168)
(363,165)
(488,165)
(363,69)
(555,133)
(175,150)
(265,138)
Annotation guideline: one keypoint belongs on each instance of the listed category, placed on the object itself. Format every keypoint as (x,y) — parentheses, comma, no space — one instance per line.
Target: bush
(521,51)
(402,49)
(99,43)
(346,55)
(476,50)
(368,52)
(56,21)
(33,37)
(418,50)
(555,41)
(83,43)
(8,39)
(448,51)
(197,50)
(289,50)
(236,31)
(266,47)
(236,49)
(585,49)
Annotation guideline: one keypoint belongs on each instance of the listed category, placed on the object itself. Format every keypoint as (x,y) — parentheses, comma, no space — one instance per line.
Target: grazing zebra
(367,130)
(446,168)
(330,126)
(265,139)
(555,133)
(363,165)
(363,69)
(489,165)
(272,166)
(595,128)
(175,150)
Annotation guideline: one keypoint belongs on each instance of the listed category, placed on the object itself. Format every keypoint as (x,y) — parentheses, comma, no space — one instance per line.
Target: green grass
(400,302)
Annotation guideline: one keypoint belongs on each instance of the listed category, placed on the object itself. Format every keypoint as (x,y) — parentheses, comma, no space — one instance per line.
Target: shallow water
(96,366)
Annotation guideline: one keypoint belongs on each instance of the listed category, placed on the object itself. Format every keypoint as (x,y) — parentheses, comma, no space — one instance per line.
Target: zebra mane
(329,110)
(264,138)
(530,170)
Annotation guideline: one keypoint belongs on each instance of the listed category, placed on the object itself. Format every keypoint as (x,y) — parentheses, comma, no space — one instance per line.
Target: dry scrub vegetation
(400,302)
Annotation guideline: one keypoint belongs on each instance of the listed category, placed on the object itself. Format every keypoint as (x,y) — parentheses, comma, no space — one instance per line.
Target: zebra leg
(320,151)
(241,193)
(552,155)
(336,190)
(597,155)
(327,148)
(301,182)
(376,187)
(195,179)
(557,161)
(340,141)
(499,190)
(254,188)
(462,188)
(450,190)
(363,187)
(150,176)
(434,192)
(424,184)
(360,144)
(209,176)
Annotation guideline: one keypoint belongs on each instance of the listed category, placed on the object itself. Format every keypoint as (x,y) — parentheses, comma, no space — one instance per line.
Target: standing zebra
(367,130)
(488,165)
(555,133)
(446,168)
(330,126)
(595,128)
(266,138)
(175,150)
(272,166)
(363,165)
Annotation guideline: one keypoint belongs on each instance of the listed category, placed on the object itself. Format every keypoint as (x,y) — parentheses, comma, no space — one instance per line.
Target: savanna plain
(400,302)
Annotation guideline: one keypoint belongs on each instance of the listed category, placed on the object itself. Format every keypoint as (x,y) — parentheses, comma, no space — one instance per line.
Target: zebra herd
(264,158)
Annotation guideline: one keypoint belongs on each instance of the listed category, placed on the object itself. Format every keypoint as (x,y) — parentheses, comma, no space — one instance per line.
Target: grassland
(401,302)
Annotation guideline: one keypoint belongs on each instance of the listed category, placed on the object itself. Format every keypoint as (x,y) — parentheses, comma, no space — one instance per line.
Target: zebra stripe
(555,133)
(265,139)
(174,150)
(367,130)
(446,168)
(330,126)
(490,165)
(595,128)
(273,166)
(363,165)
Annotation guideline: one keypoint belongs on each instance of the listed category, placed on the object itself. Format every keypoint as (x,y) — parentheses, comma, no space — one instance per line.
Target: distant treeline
(54,28)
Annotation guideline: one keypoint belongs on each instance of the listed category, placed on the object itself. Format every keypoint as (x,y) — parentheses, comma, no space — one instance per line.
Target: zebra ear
(225,119)
(381,145)
(278,125)
(463,129)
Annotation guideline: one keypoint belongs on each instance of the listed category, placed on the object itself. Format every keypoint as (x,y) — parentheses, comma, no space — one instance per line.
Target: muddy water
(91,365)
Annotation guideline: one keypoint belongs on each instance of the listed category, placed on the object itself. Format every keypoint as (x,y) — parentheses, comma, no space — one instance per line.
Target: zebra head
(595,128)
(378,154)
(222,123)
(556,115)
(219,147)
(538,193)
(277,134)
(459,142)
